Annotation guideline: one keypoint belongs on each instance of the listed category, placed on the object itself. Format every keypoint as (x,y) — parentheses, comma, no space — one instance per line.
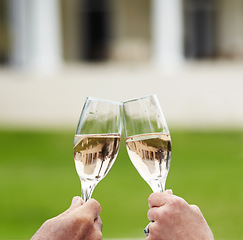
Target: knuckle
(196,209)
(95,203)
(154,196)
(48,221)
(178,202)
(151,197)
(153,214)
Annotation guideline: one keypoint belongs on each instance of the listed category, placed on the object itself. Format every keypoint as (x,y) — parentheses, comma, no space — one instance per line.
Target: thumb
(76,202)
(76,199)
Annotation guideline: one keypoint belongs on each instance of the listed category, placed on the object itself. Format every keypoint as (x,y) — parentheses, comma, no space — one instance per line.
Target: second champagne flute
(148,140)
(96,142)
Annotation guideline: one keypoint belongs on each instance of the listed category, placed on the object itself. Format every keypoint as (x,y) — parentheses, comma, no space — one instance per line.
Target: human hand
(80,221)
(173,218)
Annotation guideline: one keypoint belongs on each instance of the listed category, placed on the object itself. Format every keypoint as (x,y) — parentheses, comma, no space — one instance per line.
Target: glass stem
(87,188)
(157,185)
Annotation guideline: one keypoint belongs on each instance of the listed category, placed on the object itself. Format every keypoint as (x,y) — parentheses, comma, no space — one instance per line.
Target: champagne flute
(96,142)
(148,140)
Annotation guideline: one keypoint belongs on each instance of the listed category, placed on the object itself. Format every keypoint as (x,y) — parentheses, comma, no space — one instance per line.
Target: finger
(77,201)
(169,191)
(158,199)
(74,200)
(153,214)
(91,207)
(153,232)
(98,223)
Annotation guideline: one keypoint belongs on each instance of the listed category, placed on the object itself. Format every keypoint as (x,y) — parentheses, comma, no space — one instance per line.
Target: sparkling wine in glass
(148,140)
(96,142)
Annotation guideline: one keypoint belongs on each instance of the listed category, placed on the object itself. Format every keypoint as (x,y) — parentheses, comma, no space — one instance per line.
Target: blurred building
(47,32)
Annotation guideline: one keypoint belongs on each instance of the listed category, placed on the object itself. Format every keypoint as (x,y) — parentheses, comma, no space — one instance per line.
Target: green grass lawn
(38,180)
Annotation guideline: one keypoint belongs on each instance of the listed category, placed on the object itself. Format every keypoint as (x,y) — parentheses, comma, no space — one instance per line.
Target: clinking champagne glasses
(96,142)
(148,140)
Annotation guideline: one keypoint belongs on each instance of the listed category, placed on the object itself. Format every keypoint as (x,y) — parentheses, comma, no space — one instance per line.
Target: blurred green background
(38,180)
